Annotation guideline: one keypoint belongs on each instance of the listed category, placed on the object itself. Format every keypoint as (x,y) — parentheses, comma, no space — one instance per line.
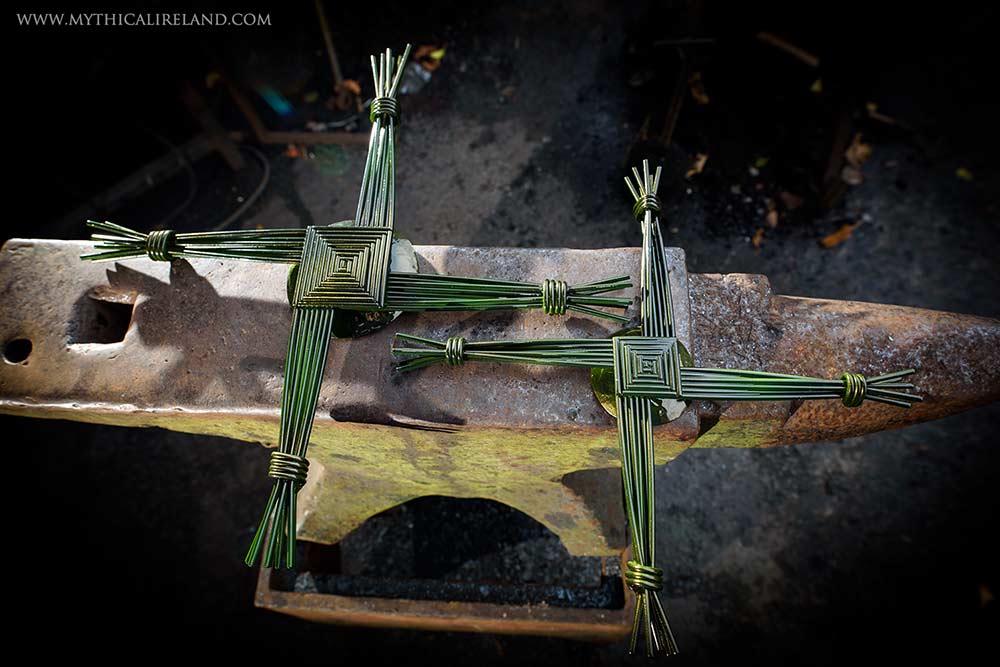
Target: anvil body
(203,353)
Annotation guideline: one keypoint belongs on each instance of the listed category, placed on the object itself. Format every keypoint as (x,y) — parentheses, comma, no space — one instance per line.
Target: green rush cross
(647,368)
(345,268)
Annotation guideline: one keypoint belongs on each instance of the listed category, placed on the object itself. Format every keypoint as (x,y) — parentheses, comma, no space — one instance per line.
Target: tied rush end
(641,577)
(855,389)
(647,202)
(158,244)
(555,295)
(293,468)
(454,351)
(384,106)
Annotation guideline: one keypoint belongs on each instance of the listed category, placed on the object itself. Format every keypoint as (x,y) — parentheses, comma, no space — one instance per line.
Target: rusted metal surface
(584,624)
(204,345)
(739,323)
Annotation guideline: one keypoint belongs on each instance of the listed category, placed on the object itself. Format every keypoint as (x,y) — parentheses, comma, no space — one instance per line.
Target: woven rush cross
(346,271)
(647,366)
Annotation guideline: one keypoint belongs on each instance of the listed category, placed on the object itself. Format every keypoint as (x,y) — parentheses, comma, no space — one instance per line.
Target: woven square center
(344,267)
(648,367)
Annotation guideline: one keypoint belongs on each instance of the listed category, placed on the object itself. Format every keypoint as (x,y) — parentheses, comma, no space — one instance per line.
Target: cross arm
(714,384)
(405,290)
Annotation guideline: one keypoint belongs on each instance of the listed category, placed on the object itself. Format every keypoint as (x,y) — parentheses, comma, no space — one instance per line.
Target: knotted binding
(158,244)
(454,351)
(647,202)
(855,389)
(384,106)
(554,296)
(289,467)
(641,577)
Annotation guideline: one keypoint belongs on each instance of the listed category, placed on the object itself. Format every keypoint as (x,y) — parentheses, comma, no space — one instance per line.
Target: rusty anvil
(204,348)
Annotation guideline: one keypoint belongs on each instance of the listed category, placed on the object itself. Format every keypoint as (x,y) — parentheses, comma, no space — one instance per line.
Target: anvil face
(344,267)
(647,367)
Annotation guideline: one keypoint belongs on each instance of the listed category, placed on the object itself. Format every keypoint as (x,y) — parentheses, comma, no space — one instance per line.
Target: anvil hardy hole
(17,350)
(99,319)
(456,549)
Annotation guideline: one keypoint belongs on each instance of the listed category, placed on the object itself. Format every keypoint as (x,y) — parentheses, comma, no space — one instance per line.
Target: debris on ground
(758,237)
(816,87)
(697,166)
(697,87)
(331,159)
(857,154)
(771,217)
(963,174)
(415,77)
(278,102)
(789,48)
(351,86)
(875,114)
(790,200)
(429,56)
(641,77)
(347,93)
(842,234)
(851,175)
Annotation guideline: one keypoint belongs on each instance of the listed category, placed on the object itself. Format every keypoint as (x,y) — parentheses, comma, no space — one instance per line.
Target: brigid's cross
(647,369)
(346,270)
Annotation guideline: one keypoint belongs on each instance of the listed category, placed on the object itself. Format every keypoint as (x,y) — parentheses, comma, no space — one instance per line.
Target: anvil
(213,367)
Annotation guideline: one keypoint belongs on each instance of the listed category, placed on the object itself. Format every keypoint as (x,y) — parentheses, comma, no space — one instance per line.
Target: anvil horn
(957,357)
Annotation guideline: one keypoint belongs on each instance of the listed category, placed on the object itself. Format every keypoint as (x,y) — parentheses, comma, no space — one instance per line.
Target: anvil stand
(379,444)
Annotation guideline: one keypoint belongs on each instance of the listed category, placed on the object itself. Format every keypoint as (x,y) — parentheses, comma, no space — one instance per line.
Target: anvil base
(277,591)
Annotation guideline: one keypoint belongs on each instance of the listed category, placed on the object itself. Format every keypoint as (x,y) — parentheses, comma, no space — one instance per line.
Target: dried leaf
(964,174)
(351,86)
(874,114)
(858,152)
(697,166)
(429,56)
(758,237)
(698,88)
(842,234)
(760,162)
(790,200)
(816,87)
(789,48)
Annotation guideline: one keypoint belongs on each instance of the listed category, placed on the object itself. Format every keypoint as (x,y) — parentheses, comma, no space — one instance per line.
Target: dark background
(127,545)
